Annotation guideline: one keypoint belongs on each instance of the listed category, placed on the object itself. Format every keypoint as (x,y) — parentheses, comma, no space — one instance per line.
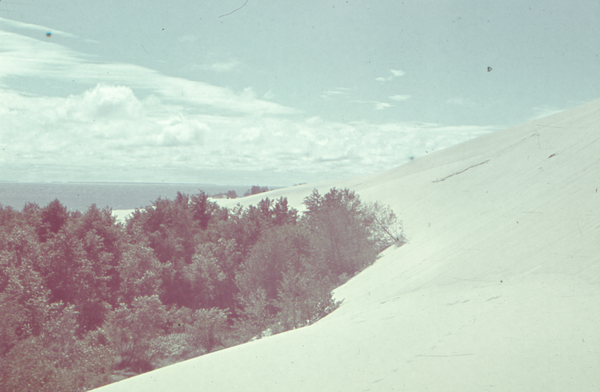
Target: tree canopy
(83,297)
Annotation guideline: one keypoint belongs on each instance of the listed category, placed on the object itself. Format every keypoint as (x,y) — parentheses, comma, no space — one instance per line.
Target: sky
(276,92)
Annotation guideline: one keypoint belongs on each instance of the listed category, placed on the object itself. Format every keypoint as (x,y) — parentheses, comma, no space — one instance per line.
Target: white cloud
(314,120)
(110,102)
(382,105)
(42,30)
(394,74)
(24,57)
(376,104)
(87,136)
(399,97)
(460,101)
(224,66)
(181,131)
(336,92)
(248,93)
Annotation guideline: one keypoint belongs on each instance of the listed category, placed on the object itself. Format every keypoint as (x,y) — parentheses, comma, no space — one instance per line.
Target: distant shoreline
(115,195)
(133,183)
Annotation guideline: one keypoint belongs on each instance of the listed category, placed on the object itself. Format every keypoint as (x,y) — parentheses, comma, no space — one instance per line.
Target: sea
(117,196)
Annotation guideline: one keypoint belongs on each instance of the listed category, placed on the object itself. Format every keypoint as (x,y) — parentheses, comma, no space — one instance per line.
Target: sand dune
(497,289)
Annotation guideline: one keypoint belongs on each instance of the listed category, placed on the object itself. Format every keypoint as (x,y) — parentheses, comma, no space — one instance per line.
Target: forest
(85,300)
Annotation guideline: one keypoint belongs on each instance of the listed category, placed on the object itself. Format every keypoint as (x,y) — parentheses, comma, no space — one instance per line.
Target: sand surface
(497,289)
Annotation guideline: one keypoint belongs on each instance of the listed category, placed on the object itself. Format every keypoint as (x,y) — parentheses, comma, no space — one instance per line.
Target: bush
(350,234)
(255,190)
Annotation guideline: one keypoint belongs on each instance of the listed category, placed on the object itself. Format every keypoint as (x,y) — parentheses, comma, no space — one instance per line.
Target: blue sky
(276,92)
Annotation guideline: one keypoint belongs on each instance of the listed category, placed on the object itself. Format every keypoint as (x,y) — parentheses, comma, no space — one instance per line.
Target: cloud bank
(124,122)
(108,133)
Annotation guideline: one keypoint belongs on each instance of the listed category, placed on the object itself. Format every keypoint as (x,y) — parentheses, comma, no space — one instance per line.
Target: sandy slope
(498,288)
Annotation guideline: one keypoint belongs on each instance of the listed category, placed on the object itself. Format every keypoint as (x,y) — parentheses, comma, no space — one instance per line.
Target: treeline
(254,190)
(83,297)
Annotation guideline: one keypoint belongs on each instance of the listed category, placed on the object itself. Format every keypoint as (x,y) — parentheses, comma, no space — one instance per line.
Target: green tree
(103,242)
(191,333)
(206,329)
(140,274)
(256,315)
(131,330)
(342,231)
(56,360)
(53,217)
(284,283)
(384,227)
(221,260)
(304,298)
(39,348)
(75,279)
(172,228)
(276,251)
(255,189)
(245,225)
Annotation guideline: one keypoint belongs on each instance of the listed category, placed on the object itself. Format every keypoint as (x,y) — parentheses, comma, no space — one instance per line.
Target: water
(118,196)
